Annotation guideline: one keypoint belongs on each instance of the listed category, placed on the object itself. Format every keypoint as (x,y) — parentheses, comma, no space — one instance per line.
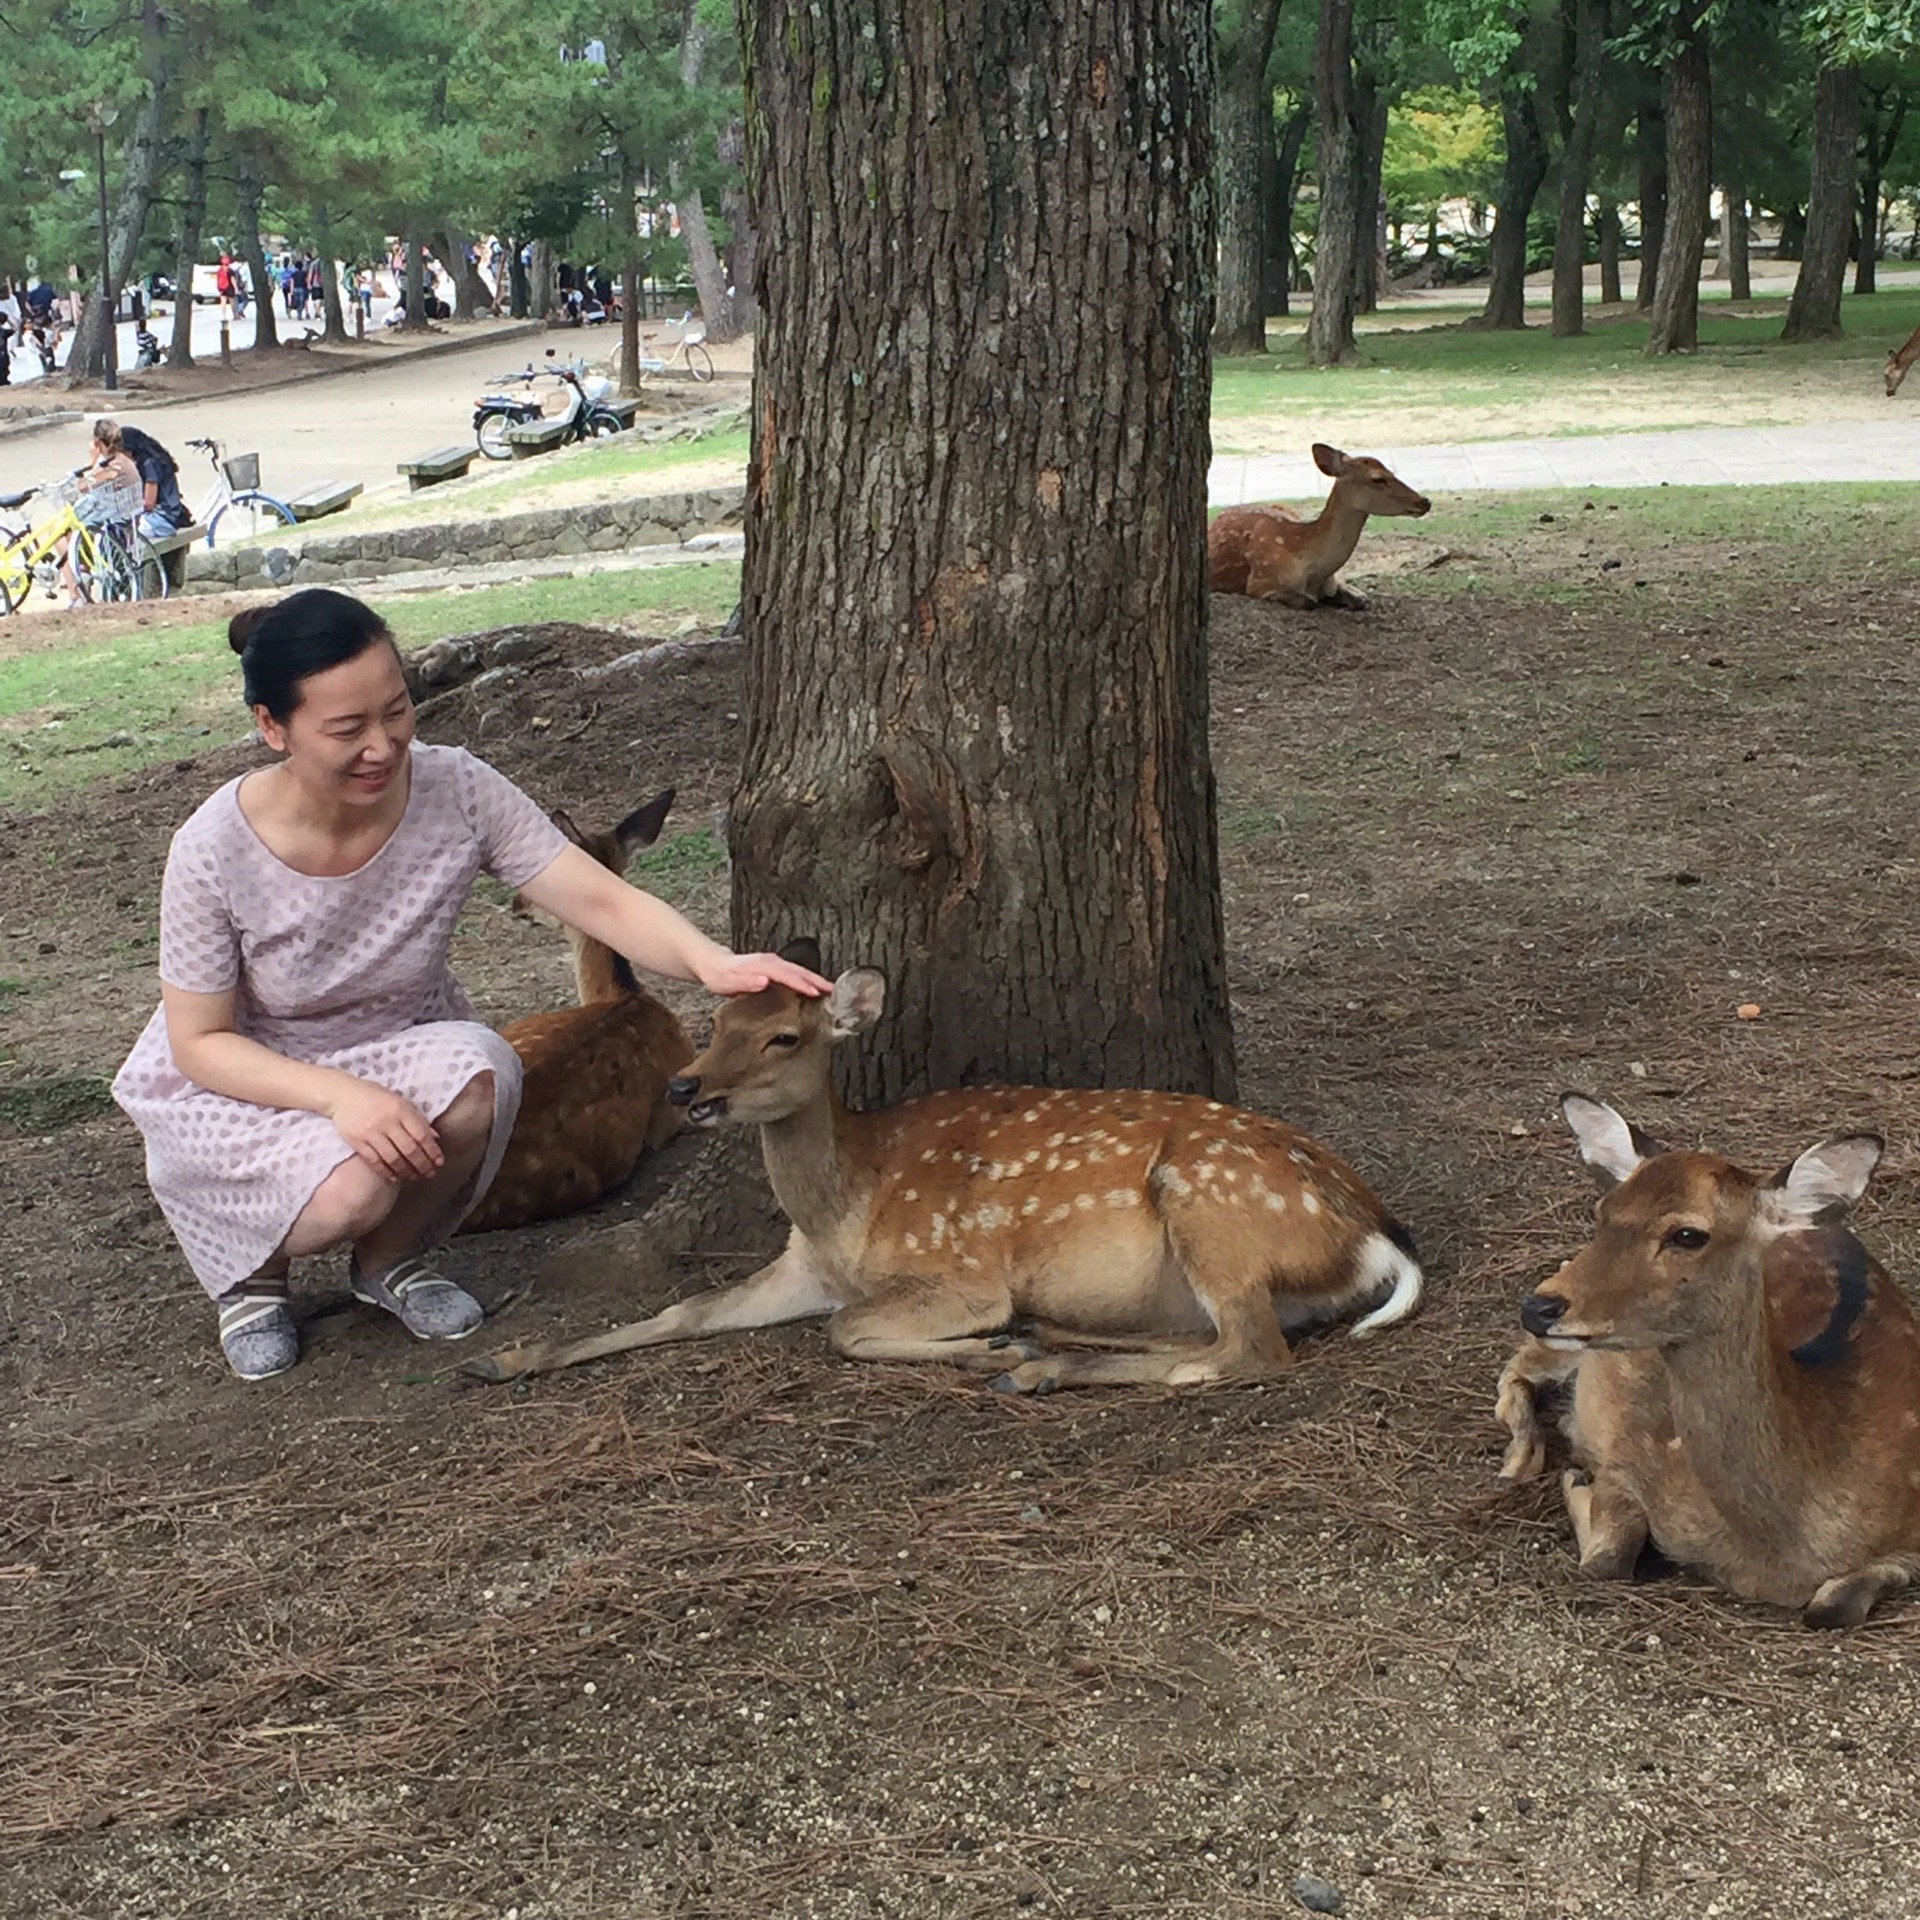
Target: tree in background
(974,592)
(1243,124)
(1340,139)
(1583,60)
(1679,28)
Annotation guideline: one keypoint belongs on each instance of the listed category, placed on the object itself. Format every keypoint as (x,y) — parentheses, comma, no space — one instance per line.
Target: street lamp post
(100,116)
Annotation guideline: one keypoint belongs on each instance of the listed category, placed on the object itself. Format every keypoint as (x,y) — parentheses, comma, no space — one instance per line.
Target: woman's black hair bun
(244,625)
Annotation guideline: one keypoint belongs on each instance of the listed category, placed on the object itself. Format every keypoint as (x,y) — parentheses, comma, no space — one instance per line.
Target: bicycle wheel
(700,363)
(147,570)
(248,515)
(16,577)
(491,436)
(96,564)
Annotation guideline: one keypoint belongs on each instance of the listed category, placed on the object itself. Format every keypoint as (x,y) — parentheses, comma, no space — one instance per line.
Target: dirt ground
(743,1630)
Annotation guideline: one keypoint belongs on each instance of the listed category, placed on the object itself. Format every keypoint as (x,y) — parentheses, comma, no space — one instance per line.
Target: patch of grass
(48,1106)
(174,690)
(1425,379)
(676,867)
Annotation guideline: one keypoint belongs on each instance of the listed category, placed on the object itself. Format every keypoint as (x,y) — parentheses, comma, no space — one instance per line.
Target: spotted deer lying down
(595,1094)
(1745,1377)
(1182,1237)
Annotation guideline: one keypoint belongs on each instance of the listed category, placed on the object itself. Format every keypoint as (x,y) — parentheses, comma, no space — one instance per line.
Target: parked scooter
(584,410)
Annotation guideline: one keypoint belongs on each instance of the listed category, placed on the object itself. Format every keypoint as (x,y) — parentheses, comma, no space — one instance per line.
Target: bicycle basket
(242,471)
(121,501)
(65,491)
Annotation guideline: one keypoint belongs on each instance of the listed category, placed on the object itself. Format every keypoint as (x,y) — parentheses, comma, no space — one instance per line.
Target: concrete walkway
(1695,457)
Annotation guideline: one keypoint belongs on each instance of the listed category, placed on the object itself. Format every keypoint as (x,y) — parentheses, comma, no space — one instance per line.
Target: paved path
(1695,457)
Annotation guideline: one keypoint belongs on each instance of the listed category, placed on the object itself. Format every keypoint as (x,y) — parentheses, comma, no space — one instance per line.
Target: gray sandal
(426,1303)
(257,1333)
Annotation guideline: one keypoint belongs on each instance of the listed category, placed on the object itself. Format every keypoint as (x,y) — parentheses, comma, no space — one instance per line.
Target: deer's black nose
(1540,1311)
(682,1089)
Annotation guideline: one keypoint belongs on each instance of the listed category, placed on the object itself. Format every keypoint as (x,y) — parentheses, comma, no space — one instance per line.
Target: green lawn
(1427,380)
(162,692)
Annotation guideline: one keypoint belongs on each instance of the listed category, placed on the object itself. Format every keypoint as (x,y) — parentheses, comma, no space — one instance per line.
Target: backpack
(223,279)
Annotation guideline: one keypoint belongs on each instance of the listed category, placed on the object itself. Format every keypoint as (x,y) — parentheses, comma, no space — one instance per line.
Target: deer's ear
(1827,1179)
(856,1001)
(1611,1147)
(1330,460)
(641,828)
(562,819)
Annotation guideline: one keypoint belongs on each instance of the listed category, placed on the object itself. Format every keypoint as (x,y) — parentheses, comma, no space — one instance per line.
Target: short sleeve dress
(347,971)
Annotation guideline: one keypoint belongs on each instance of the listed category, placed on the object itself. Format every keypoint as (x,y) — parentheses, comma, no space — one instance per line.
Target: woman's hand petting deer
(315,1077)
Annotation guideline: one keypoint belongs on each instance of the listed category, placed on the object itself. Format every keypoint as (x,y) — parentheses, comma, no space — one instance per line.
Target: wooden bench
(443,463)
(172,551)
(318,502)
(535,437)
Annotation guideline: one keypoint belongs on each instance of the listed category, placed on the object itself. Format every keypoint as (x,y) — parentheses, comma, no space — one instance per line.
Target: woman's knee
(469,1114)
(348,1204)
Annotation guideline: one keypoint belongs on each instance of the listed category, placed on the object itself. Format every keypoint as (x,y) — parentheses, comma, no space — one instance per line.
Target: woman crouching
(314,1076)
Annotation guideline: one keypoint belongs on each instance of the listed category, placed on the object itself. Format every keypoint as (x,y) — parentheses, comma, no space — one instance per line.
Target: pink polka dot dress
(347,971)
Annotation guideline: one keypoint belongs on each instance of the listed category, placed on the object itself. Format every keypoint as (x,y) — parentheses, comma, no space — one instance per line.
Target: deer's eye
(782,1040)
(1688,1239)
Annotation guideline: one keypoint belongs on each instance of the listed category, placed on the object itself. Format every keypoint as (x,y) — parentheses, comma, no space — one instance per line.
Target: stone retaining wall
(607,526)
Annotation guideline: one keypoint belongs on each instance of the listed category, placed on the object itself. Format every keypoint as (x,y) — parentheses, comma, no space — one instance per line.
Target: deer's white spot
(1032,1113)
(1310,1200)
(1057,1215)
(1033,1154)
(1083,1201)
(1122,1197)
(1032,1205)
(911,1243)
(1174,1180)
(1069,1166)
(929,1154)
(1277,1201)
(912,1193)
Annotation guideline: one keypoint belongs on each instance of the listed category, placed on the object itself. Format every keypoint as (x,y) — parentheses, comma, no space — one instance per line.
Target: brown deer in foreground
(1270,553)
(1181,1235)
(1745,1377)
(1899,360)
(596,1074)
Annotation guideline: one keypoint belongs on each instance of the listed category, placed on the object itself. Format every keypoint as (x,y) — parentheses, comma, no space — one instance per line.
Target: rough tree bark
(743,249)
(1243,125)
(1735,241)
(1880,124)
(1650,151)
(1520,182)
(540,287)
(416,256)
(193,216)
(1369,207)
(632,271)
(1330,340)
(703,257)
(139,171)
(1587,26)
(1674,320)
(336,328)
(1609,250)
(974,594)
(470,295)
(248,189)
(1813,313)
(1280,187)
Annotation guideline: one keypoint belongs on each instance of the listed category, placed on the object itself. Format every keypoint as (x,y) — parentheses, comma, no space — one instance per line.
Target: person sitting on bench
(163,511)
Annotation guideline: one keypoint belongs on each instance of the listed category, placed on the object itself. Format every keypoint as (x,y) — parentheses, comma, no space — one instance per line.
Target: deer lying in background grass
(1270,553)
(596,1074)
(1182,1235)
(1746,1378)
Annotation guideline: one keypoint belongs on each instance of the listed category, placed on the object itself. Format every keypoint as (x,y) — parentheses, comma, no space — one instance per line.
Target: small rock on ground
(1317,1895)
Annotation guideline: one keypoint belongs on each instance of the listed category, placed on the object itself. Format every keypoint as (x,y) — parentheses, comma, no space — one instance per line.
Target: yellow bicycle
(114,561)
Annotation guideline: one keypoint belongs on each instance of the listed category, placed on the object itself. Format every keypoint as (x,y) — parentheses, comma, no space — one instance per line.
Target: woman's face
(348,738)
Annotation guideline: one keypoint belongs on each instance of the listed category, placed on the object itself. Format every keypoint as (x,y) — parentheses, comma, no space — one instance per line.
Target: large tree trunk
(139,170)
(416,254)
(1589,32)
(193,216)
(1330,340)
(519,291)
(977,743)
(1650,149)
(1609,249)
(266,331)
(1520,182)
(632,268)
(1814,311)
(1243,123)
(1280,188)
(540,277)
(1879,135)
(1735,241)
(336,328)
(1674,323)
(703,260)
(1369,208)
(470,295)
